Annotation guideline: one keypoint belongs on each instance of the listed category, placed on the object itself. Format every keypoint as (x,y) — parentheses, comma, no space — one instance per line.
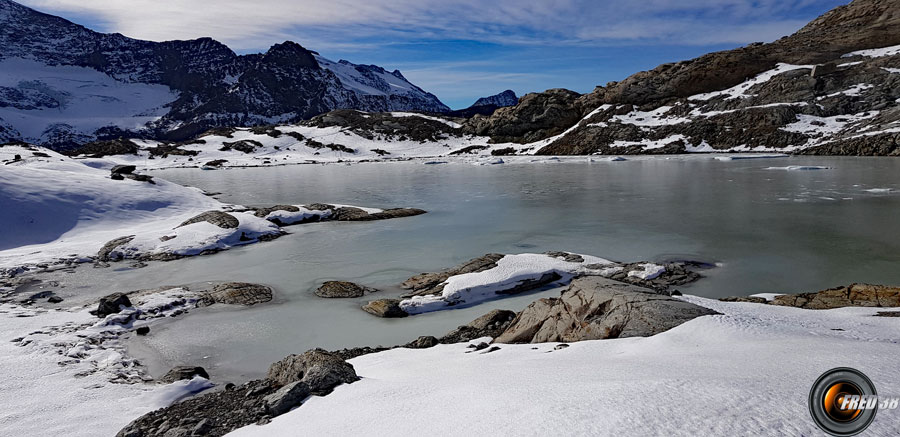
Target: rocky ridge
(819,91)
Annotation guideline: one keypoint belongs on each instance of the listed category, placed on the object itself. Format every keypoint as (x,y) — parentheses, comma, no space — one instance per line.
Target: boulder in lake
(238,293)
(342,289)
(388,308)
(593,308)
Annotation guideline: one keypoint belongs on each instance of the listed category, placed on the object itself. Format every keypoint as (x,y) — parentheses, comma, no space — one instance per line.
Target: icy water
(771,230)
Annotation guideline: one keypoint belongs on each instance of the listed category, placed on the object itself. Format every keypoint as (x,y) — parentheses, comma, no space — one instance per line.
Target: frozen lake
(772,229)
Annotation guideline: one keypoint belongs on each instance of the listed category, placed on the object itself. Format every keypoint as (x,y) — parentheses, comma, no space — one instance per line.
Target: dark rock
(887,314)
(112,304)
(54,299)
(388,308)
(143,330)
(342,289)
(423,342)
(183,372)
(491,325)
(319,369)
(594,308)
(123,169)
(218,218)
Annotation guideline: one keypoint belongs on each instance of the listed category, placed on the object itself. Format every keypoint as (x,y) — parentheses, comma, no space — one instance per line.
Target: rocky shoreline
(590,308)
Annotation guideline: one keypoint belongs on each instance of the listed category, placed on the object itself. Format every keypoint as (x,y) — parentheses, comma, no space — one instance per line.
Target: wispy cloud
(462,49)
(254,24)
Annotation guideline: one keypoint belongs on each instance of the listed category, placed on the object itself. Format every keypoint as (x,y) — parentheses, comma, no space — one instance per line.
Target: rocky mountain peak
(290,54)
(505,98)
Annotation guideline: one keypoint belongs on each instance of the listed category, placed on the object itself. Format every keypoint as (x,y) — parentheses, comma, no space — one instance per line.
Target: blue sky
(464,49)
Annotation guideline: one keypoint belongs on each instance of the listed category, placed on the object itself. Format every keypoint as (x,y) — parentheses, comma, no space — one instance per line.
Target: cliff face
(809,91)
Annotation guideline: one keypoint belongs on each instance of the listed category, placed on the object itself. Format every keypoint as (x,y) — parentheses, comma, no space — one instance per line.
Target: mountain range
(62,84)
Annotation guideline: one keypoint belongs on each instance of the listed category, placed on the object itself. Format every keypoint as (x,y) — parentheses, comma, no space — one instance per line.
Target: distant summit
(506,98)
(487,105)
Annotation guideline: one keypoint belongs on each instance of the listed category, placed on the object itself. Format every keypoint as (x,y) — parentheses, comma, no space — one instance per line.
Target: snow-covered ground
(745,372)
(59,210)
(56,380)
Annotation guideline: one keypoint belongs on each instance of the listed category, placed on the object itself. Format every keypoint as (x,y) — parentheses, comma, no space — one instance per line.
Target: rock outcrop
(594,308)
(290,381)
(183,372)
(430,283)
(387,308)
(854,295)
(221,219)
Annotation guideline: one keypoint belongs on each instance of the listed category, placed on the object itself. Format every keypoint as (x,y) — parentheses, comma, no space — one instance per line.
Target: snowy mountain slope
(41,100)
(381,90)
(210,84)
(714,375)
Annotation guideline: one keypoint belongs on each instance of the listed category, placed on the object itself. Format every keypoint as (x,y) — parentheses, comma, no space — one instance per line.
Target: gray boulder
(287,397)
(319,369)
(595,308)
(342,289)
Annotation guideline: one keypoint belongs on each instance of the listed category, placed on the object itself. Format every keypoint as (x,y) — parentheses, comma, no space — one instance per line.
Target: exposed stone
(239,293)
(429,283)
(423,342)
(744,299)
(112,304)
(319,369)
(287,397)
(221,219)
(183,372)
(388,308)
(491,325)
(342,289)
(262,212)
(594,308)
(123,169)
(107,250)
(854,295)
(143,330)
